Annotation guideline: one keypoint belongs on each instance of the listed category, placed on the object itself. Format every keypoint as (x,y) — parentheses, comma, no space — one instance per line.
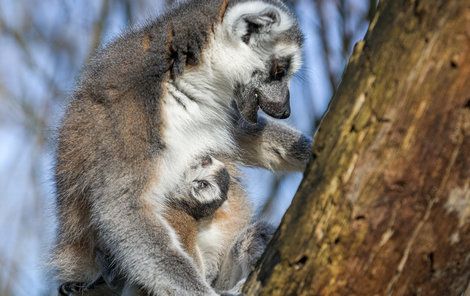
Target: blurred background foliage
(43,45)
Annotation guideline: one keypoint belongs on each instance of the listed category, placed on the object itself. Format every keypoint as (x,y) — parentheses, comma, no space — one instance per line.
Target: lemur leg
(243,255)
(272,145)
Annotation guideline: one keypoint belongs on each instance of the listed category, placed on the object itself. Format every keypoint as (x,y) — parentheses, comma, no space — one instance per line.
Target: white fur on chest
(191,129)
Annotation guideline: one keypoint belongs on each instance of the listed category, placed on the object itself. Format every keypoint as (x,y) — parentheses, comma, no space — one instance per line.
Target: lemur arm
(272,145)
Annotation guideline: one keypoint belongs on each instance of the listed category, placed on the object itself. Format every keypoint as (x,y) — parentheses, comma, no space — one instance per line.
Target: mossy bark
(384,209)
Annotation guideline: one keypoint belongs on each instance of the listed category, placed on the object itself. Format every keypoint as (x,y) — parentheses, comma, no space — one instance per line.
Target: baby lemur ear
(257,19)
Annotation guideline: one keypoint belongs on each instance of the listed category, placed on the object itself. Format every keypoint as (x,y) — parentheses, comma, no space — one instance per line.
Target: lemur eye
(202,184)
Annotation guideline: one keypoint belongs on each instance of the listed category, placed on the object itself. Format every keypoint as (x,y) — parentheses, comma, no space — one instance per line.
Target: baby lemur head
(255,50)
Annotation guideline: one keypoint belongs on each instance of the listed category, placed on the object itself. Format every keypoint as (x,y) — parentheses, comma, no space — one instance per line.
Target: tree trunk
(384,209)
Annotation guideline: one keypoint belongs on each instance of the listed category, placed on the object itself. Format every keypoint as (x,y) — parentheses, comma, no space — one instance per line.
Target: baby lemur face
(208,179)
(268,52)
(204,189)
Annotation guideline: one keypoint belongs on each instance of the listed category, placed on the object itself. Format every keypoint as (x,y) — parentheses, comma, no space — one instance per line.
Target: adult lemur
(150,103)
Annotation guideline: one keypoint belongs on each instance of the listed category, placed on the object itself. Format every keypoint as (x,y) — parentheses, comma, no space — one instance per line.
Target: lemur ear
(259,23)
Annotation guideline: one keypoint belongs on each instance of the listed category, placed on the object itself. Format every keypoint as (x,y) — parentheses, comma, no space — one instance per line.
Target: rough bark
(384,209)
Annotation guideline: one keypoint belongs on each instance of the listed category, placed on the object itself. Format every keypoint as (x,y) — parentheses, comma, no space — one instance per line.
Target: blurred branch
(98,28)
(372,9)
(31,118)
(272,196)
(325,44)
(6,287)
(129,11)
(346,33)
(24,46)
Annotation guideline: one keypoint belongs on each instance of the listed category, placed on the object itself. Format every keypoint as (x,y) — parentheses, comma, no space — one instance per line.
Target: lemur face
(268,42)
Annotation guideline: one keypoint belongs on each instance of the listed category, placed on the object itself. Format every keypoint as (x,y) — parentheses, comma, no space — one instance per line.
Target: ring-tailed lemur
(150,102)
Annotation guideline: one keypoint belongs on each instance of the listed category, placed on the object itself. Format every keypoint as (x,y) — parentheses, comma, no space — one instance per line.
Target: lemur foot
(208,181)
(250,245)
(245,252)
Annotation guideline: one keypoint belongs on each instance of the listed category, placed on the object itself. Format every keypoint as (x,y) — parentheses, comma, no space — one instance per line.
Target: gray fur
(111,142)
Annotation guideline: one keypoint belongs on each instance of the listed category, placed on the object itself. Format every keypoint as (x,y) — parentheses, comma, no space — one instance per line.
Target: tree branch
(385,207)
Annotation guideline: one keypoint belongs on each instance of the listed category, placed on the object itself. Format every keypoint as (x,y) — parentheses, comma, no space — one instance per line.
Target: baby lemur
(202,191)
(147,105)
